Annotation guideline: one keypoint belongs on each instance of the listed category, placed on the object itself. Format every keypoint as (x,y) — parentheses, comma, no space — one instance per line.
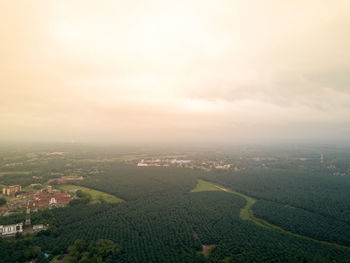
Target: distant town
(183,163)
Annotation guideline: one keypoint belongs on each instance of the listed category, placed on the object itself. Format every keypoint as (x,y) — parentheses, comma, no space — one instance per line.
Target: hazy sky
(202,71)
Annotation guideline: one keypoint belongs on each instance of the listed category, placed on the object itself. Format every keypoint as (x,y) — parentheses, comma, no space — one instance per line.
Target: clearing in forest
(205,248)
(96,195)
(246,212)
(205,186)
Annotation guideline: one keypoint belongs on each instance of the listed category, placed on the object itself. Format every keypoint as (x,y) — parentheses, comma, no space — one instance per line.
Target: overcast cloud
(193,71)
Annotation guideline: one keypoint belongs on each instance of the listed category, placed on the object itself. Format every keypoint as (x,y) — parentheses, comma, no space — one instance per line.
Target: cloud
(160,70)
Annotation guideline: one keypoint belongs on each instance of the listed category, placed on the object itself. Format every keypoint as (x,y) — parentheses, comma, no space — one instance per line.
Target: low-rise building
(223,166)
(49,189)
(43,199)
(164,163)
(8,230)
(11,190)
(37,228)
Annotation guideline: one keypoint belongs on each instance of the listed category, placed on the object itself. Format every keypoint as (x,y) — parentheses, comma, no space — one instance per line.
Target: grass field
(95,195)
(205,186)
(14,172)
(246,212)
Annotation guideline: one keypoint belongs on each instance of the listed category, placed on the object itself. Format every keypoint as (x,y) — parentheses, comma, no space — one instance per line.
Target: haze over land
(155,71)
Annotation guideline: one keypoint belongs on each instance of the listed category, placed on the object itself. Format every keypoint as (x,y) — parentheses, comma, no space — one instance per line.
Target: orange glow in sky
(193,71)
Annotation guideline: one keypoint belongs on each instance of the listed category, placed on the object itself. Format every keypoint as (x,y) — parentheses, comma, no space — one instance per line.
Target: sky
(223,71)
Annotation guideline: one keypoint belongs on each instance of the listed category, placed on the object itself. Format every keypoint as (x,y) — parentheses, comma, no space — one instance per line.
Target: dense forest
(301,221)
(163,231)
(161,220)
(303,188)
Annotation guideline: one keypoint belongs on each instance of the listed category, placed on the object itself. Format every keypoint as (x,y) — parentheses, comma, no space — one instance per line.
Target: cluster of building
(163,163)
(184,163)
(338,174)
(209,165)
(11,230)
(43,198)
(222,166)
(46,198)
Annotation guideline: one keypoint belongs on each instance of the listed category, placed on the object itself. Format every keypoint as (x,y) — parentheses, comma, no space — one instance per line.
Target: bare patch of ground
(206,249)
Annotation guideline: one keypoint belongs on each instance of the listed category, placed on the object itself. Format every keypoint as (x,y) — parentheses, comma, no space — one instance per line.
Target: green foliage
(84,198)
(33,252)
(132,183)
(307,188)
(100,251)
(37,187)
(21,179)
(80,194)
(2,201)
(205,186)
(301,221)
(75,202)
(95,195)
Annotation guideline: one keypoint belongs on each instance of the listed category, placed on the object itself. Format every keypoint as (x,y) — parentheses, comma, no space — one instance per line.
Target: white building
(11,229)
(38,227)
(180,161)
(11,190)
(142,163)
(53,201)
(225,166)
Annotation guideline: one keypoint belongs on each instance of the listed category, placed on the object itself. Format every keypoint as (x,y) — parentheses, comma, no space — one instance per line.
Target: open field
(14,172)
(205,186)
(95,195)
